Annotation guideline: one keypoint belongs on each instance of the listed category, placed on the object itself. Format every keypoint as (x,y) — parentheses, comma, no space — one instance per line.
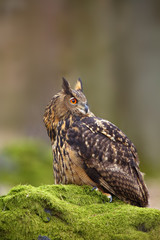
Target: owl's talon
(95,188)
(110,198)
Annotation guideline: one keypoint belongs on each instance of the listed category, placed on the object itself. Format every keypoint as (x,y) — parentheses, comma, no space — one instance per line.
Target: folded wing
(109,159)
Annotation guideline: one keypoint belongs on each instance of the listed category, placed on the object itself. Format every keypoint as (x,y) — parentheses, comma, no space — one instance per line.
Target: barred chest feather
(67,165)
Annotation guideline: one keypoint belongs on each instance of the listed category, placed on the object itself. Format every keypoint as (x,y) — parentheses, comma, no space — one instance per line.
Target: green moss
(72,212)
(26,162)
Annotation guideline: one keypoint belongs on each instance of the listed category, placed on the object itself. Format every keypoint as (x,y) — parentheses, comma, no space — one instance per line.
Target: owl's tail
(131,190)
(143,191)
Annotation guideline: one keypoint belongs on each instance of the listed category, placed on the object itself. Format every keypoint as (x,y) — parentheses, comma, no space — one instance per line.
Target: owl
(88,150)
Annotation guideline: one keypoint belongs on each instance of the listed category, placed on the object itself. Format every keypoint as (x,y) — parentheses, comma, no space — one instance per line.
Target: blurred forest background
(113,46)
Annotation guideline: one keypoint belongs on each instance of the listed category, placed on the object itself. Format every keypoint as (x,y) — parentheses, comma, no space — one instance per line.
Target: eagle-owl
(90,150)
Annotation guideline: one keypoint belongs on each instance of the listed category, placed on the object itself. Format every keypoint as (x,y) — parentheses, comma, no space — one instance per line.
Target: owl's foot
(109,196)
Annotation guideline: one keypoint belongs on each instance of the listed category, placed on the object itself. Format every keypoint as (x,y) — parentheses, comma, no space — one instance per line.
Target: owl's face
(74,100)
(67,101)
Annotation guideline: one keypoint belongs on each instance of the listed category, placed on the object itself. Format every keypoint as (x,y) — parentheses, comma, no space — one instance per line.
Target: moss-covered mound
(72,212)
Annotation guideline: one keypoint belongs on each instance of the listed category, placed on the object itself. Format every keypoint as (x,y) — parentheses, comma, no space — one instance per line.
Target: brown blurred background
(114,46)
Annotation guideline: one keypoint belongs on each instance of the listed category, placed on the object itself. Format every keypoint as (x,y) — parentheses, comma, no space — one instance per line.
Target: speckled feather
(93,151)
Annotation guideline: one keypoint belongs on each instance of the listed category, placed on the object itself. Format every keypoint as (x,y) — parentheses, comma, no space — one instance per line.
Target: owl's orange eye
(73,100)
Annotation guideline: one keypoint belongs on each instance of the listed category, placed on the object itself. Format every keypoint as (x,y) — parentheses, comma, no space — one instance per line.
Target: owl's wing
(110,159)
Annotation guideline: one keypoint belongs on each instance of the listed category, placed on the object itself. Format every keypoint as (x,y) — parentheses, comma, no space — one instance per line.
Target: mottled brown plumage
(90,150)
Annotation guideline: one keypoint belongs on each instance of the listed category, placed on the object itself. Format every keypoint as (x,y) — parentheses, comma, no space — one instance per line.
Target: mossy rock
(72,212)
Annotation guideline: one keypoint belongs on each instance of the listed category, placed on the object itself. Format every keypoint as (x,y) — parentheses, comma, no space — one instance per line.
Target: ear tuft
(65,86)
(79,86)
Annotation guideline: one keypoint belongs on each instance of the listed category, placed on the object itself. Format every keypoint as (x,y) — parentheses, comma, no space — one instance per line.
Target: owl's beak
(86,108)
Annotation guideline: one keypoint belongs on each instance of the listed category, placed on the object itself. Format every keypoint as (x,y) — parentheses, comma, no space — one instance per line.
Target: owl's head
(73,99)
(67,102)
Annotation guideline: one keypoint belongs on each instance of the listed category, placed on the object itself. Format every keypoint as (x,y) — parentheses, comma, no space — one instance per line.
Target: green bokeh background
(26,162)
